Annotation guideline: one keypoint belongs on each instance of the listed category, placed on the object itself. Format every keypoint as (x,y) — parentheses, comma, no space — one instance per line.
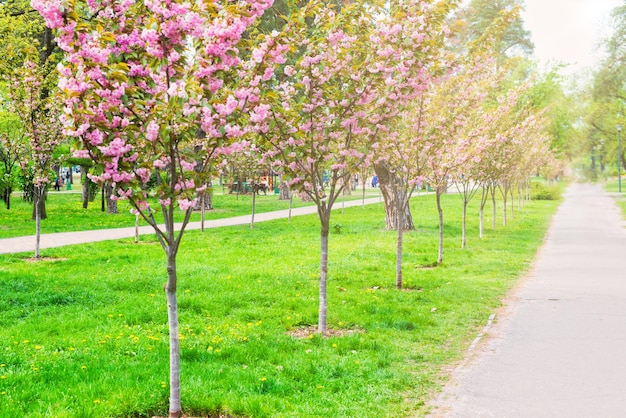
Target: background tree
(13,149)
(40,121)
(478,16)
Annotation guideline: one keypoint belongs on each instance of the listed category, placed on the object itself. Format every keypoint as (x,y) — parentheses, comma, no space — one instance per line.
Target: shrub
(542,191)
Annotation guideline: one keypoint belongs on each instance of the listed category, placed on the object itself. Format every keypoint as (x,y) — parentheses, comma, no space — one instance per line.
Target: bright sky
(568,31)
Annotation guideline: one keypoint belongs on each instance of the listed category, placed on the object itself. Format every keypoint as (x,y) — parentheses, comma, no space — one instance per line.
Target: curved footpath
(27,243)
(560,349)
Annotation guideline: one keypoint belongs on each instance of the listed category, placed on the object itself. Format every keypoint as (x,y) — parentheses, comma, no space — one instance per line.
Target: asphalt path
(27,243)
(558,349)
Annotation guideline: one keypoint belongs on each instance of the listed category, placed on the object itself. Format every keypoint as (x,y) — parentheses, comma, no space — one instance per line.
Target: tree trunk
(505,193)
(304,197)
(39,197)
(386,180)
(253,208)
(512,203)
(493,203)
(483,202)
(108,193)
(205,202)
(363,195)
(202,210)
(285,193)
(399,230)
(290,207)
(136,228)
(7,197)
(85,170)
(39,202)
(464,225)
(323,302)
(172,317)
(440,211)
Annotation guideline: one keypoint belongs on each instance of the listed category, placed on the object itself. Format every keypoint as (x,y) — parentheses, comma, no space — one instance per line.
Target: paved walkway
(560,348)
(27,243)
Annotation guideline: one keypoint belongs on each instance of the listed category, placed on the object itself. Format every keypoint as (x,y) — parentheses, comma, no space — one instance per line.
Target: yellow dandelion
(4,392)
(4,376)
(83,367)
(2,365)
(97,401)
(263,379)
(334,345)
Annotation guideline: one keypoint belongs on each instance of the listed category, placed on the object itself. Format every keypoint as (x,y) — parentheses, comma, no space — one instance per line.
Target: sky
(568,31)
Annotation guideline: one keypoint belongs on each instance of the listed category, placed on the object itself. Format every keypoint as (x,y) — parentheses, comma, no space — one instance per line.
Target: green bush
(542,191)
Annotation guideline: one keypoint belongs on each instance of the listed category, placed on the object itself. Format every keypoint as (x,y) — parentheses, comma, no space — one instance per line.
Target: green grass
(65,212)
(612,185)
(84,333)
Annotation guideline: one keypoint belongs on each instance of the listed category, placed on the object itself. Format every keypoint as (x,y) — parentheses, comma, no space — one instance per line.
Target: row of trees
(317,91)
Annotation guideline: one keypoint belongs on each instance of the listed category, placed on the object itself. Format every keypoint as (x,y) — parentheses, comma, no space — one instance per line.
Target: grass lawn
(83,334)
(65,212)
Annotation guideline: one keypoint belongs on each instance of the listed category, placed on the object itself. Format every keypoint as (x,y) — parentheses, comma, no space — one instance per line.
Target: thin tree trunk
(38,197)
(481,216)
(440,212)
(85,170)
(7,197)
(493,202)
(202,211)
(136,228)
(512,204)
(483,201)
(363,198)
(323,302)
(464,225)
(172,317)
(505,193)
(290,206)
(399,230)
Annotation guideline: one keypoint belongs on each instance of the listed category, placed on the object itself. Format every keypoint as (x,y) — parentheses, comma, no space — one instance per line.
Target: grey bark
(386,180)
(39,203)
(483,201)
(38,197)
(285,193)
(440,212)
(172,317)
(399,230)
(84,171)
(108,193)
(323,301)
